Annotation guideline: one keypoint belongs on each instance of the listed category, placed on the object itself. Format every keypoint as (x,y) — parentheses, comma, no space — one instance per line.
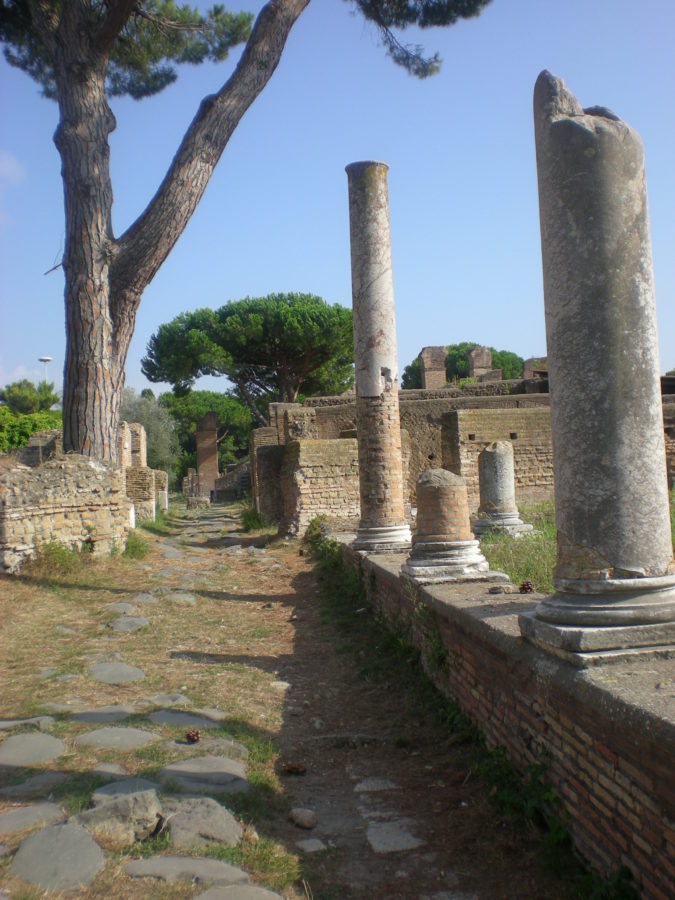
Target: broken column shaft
(382,526)
(614,579)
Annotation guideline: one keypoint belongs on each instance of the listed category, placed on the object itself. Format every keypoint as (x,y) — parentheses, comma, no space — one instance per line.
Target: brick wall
(319,478)
(73,501)
(140,483)
(607,733)
(466,432)
(265,456)
(380,461)
(139,445)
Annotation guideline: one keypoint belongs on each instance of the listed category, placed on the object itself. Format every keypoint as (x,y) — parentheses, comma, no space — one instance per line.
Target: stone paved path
(373,808)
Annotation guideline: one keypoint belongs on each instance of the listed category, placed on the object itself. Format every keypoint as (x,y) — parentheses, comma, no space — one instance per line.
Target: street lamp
(44,360)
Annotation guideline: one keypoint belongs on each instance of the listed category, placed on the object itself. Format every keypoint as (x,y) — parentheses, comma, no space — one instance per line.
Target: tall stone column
(614,578)
(382,526)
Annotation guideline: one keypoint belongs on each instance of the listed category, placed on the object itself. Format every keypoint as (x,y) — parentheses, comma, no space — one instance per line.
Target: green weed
(137,547)
(530,557)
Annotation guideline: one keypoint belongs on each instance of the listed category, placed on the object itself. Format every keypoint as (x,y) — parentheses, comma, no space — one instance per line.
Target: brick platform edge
(608,732)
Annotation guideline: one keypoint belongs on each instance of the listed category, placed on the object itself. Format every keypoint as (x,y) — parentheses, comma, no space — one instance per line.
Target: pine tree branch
(45,21)
(118,15)
(142,249)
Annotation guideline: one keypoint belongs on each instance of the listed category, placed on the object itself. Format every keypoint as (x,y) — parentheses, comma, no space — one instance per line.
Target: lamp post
(44,360)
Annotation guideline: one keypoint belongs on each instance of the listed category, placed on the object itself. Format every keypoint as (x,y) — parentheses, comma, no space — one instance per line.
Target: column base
(505,523)
(605,620)
(386,539)
(451,561)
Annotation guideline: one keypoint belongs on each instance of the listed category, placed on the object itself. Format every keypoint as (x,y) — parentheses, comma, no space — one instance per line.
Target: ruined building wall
(74,501)
(140,486)
(466,432)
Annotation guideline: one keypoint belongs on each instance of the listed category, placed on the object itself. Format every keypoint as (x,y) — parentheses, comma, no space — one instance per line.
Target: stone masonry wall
(606,742)
(467,432)
(265,457)
(140,484)
(74,501)
(319,478)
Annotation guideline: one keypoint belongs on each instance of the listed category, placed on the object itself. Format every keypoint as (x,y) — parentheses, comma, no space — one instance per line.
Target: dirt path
(400,813)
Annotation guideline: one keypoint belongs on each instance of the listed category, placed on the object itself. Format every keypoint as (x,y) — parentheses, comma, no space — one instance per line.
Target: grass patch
(74,794)
(251,519)
(268,861)
(137,547)
(530,557)
(162,525)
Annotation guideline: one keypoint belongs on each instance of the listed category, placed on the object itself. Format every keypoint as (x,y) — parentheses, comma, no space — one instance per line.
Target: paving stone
(209,712)
(180,719)
(200,822)
(373,785)
(105,714)
(129,624)
(122,789)
(42,722)
(109,770)
(186,868)
(36,786)
(116,673)
(170,700)
(67,679)
(23,750)
(238,892)
(171,553)
(187,598)
(204,774)
(311,845)
(116,738)
(303,818)
(391,837)
(61,857)
(24,817)
(69,706)
(124,609)
(123,820)
(144,597)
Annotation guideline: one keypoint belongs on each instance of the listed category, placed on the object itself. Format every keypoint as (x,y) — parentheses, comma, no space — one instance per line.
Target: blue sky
(462,179)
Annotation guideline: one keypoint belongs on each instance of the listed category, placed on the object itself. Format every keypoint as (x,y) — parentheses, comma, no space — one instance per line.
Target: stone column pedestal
(382,527)
(614,579)
(498,510)
(444,548)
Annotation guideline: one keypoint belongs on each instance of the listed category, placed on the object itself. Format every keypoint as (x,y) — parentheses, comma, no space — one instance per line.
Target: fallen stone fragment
(391,837)
(116,673)
(186,868)
(129,624)
(170,700)
(187,598)
(200,822)
(59,858)
(311,845)
(23,750)
(42,722)
(116,738)
(24,817)
(123,819)
(117,789)
(207,774)
(36,786)
(124,609)
(303,818)
(113,713)
(238,892)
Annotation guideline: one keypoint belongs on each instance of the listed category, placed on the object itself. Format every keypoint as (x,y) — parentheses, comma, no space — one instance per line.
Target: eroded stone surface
(123,819)
(124,609)
(180,719)
(116,738)
(129,624)
(311,845)
(23,750)
(217,774)
(238,892)
(200,822)
(104,714)
(391,837)
(303,818)
(41,722)
(37,814)
(185,868)
(122,789)
(185,597)
(61,857)
(116,673)
(36,786)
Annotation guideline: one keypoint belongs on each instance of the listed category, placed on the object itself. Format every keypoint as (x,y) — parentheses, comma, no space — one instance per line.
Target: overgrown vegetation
(137,547)
(530,557)
(525,800)
(16,429)
(251,519)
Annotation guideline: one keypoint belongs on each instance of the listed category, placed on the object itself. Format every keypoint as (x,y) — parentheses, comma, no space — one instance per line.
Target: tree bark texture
(105,277)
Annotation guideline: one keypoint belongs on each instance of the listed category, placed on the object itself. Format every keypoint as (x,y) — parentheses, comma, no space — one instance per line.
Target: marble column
(382,526)
(444,548)
(496,477)
(614,579)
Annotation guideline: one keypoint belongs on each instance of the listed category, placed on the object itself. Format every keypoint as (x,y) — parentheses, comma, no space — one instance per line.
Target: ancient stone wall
(265,458)
(140,482)
(74,501)
(235,482)
(669,424)
(139,445)
(41,446)
(432,364)
(466,432)
(319,478)
(161,489)
(124,444)
(607,743)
